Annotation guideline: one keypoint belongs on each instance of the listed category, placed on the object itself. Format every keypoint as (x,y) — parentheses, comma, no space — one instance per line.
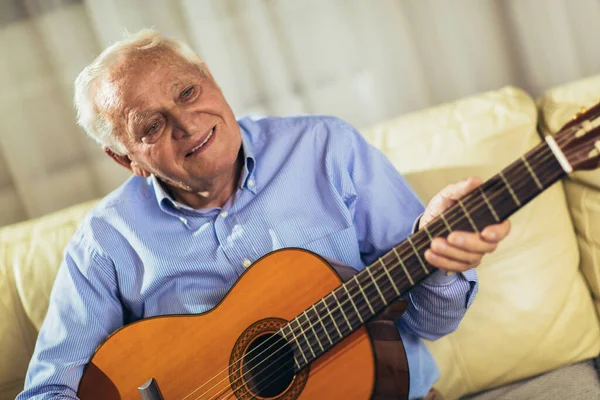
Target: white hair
(89,117)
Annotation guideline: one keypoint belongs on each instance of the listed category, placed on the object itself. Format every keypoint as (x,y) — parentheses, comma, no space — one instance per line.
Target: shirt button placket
(223,230)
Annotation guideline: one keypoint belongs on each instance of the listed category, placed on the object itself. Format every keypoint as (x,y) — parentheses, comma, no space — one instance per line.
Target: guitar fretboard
(393,275)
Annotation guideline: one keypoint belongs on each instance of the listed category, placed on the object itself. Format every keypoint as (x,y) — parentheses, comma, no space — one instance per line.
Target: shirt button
(224,214)
(246,263)
(250,182)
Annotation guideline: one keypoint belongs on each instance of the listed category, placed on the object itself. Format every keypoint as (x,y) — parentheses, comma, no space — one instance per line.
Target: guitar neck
(394,274)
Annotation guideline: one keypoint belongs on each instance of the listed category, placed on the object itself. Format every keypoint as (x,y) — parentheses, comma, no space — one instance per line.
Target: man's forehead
(124,84)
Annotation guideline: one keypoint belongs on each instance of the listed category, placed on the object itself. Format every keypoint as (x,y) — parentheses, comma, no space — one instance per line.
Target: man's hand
(462,250)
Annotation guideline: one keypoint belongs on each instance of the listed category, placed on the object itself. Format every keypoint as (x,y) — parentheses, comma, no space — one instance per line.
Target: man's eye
(187,93)
(153,127)
(151,134)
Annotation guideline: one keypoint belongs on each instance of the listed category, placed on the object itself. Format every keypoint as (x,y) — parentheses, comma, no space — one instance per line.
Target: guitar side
(183,353)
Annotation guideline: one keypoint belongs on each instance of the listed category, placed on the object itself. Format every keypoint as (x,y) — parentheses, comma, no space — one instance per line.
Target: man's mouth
(201,145)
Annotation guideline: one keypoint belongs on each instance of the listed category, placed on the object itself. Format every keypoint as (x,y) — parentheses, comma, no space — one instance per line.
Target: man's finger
(443,248)
(470,241)
(445,263)
(497,232)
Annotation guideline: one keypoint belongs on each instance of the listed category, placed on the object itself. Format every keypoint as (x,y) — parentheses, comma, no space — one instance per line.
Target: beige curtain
(361,60)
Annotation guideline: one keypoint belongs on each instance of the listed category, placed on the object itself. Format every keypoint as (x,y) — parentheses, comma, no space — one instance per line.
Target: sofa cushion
(533,312)
(30,254)
(584,204)
(573,382)
(557,106)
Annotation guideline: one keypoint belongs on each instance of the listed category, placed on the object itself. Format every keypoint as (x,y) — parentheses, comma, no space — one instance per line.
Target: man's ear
(126,162)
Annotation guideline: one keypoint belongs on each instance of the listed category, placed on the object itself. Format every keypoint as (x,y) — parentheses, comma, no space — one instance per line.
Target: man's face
(173,120)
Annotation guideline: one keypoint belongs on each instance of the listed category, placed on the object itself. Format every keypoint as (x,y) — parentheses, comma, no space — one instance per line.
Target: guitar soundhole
(268,366)
(262,364)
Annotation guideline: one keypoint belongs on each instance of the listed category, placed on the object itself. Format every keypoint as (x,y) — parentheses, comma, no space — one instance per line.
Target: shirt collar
(247,179)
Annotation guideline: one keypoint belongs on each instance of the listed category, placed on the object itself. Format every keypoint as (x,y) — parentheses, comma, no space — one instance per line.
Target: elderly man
(211,194)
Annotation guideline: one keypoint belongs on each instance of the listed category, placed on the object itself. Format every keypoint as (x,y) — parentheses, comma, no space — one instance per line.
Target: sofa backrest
(556,107)
(533,312)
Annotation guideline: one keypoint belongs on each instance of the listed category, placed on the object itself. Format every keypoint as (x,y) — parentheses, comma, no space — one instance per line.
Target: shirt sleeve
(84,309)
(385,210)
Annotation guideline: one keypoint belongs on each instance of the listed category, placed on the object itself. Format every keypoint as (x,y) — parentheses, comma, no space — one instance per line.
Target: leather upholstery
(583,189)
(533,312)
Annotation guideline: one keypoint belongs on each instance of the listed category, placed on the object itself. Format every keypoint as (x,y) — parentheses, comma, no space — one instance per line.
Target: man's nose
(184,124)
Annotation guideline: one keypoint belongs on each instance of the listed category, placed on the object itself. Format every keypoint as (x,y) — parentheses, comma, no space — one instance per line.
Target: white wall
(362,60)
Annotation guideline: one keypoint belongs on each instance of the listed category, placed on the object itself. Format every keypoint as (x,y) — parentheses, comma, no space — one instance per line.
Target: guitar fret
(510,190)
(532,172)
(305,338)
(418,255)
(287,340)
(468,216)
(312,327)
(377,286)
(410,279)
(446,223)
(353,305)
(389,276)
(363,293)
(333,319)
(341,309)
(410,260)
(428,233)
(487,201)
(296,340)
(322,324)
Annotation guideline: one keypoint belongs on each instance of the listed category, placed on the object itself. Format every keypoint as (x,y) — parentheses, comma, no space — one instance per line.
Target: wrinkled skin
(162,106)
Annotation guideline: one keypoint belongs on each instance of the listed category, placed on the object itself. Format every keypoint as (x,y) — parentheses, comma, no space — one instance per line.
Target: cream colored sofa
(537,306)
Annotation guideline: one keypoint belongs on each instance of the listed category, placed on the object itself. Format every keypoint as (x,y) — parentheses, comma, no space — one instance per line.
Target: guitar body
(228,351)
(197,356)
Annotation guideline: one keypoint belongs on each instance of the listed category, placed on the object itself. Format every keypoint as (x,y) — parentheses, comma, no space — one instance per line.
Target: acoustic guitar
(294,327)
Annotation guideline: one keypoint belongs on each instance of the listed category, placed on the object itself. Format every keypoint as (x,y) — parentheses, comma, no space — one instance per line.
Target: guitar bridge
(149,390)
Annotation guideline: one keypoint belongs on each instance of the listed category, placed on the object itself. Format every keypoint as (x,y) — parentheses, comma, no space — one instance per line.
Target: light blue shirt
(310,181)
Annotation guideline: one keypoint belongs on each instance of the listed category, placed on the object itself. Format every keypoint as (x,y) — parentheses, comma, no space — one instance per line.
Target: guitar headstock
(579,139)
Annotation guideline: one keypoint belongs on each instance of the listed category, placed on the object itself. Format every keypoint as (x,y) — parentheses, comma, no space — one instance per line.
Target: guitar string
(306,337)
(544,152)
(339,307)
(276,370)
(308,320)
(575,149)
